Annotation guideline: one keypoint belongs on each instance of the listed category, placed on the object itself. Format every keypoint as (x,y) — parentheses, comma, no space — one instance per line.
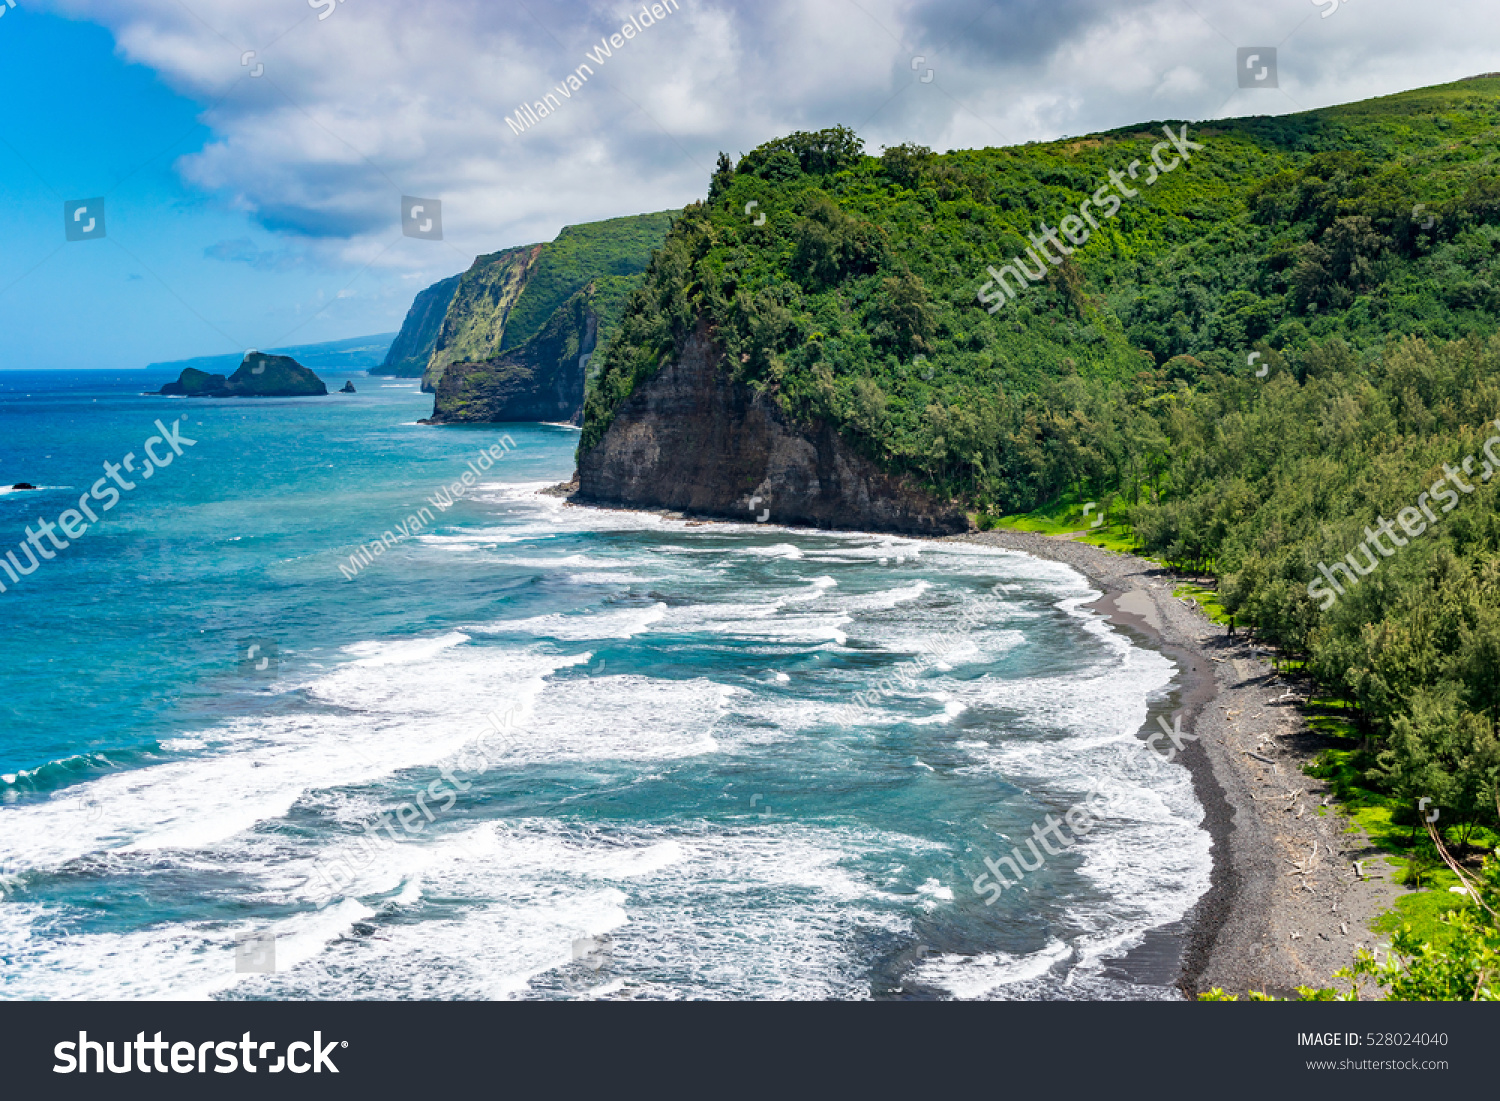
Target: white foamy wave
(478,538)
(621,623)
(974,977)
(186,962)
(399,706)
(885,599)
(950,712)
(541,908)
(780,550)
(569,562)
(618,718)
(815,591)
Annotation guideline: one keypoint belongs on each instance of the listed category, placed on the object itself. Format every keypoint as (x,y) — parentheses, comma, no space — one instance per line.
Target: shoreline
(1284,907)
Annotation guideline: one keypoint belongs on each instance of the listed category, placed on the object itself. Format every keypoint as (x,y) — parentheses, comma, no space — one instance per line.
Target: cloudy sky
(253,154)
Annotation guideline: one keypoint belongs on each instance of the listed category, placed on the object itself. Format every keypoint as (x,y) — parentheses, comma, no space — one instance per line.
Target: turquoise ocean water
(204,723)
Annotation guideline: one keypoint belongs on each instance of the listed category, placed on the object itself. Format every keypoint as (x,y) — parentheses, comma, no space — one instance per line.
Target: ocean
(530,750)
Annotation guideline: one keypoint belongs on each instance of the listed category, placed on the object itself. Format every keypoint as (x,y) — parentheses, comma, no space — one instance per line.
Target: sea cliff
(693,440)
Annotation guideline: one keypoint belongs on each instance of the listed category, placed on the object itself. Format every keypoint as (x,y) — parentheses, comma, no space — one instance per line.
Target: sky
(255,157)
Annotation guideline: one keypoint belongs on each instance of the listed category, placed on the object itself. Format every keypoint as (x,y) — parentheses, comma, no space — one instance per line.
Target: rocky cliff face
(693,440)
(542,380)
(473,329)
(508,299)
(412,348)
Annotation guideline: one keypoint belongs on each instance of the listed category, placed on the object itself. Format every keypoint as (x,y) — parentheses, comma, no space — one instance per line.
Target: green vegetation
(1412,858)
(1270,349)
(473,327)
(619,247)
(856,301)
(1461,965)
(258,375)
(507,299)
(538,381)
(1206,599)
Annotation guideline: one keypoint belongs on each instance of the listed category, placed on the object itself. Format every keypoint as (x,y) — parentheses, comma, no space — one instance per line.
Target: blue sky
(257,211)
(163,283)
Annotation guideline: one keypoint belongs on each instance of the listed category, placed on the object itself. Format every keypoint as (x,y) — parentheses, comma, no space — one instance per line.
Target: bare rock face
(542,380)
(693,440)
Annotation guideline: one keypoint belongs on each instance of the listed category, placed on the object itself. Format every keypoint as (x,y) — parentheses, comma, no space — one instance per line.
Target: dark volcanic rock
(349,387)
(258,376)
(195,384)
(542,380)
(23,485)
(693,440)
(413,345)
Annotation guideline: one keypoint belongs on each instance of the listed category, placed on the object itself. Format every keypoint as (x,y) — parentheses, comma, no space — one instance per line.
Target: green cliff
(473,327)
(412,348)
(580,254)
(515,313)
(542,380)
(858,300)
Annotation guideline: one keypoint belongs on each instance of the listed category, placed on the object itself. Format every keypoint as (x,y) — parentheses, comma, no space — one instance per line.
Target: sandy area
(1285,906)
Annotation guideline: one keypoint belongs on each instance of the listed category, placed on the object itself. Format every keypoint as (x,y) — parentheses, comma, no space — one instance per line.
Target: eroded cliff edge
(542,380)
(693,440)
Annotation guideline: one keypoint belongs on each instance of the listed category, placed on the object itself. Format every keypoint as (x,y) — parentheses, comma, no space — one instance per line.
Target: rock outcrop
(412,348)
(693,440)
(473,328)
(348,387)
(258,376)
(509,298)
(542,380)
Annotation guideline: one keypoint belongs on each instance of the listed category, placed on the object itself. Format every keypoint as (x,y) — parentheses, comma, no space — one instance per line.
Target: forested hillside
(1261,351)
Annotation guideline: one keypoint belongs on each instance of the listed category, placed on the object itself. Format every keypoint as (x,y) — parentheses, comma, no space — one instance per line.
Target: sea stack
(258,376)
(349,388)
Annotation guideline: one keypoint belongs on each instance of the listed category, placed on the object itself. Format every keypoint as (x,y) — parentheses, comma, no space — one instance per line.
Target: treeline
(1370,476)
(1267,351)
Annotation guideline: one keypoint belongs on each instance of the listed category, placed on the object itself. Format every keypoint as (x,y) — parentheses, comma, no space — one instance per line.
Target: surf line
(528,115)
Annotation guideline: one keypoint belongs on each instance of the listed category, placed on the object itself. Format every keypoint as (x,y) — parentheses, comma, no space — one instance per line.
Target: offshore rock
(258,376)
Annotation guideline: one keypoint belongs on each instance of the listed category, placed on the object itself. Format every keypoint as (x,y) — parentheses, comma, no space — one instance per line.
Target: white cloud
(382,99)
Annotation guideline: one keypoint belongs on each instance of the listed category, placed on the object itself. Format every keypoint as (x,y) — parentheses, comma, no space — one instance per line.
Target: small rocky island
(349,387)
(258,376)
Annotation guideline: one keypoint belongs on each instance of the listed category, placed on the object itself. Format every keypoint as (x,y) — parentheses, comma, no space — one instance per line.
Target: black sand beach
(1285,907)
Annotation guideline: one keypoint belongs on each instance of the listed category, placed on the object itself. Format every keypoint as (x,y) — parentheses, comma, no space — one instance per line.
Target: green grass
(1119,538)
(1422,911)
(1067,517)
(1205,598)
(580,254)
(1411,861)
(1059,518)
